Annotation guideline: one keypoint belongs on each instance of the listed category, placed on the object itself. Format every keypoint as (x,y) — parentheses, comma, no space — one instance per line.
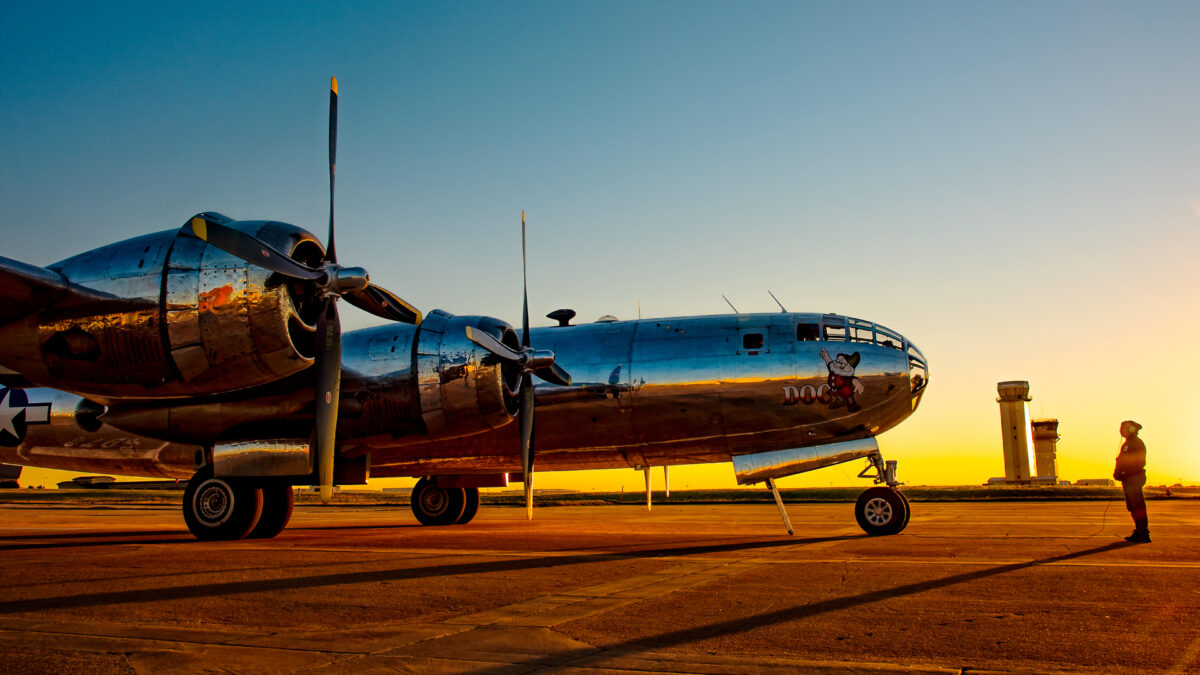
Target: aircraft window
(835,333)
(861,331)
(861,334)
(888,338)
(807,332)
(752,341)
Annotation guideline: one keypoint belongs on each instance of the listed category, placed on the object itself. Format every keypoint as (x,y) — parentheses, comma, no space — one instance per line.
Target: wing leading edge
(25,289)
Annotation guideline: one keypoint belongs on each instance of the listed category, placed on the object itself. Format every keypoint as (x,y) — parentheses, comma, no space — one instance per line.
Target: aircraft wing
(25,288)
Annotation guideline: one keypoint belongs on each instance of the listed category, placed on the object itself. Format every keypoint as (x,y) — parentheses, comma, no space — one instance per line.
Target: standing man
(1131,471)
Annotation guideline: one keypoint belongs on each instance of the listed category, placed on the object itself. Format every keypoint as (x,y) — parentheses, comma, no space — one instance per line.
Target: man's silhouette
(1131,471)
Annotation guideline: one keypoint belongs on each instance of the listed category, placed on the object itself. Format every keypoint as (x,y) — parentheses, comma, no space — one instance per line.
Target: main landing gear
(434,504)
(882,510)
(222,509)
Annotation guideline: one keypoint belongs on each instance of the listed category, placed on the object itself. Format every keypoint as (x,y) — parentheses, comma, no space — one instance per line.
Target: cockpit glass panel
(835,333)
(888,338)
(860,332)
(808,332)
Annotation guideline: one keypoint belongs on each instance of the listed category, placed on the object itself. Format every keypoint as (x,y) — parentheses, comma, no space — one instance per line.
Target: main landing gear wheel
(220,509)
(433,504)
(470,507)
(881,511)
(278,502)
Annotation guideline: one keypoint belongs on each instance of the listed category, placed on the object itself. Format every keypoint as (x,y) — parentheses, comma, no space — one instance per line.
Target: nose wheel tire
(907,510)
(881,511)
(220,509)
(433,504)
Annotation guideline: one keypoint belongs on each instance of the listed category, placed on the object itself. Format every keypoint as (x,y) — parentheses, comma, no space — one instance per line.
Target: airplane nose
(918,372)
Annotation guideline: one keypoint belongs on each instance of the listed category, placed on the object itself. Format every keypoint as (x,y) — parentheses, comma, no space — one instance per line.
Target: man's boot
(1141,533)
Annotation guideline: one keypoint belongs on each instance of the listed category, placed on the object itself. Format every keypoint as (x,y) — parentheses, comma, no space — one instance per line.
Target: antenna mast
(781,309)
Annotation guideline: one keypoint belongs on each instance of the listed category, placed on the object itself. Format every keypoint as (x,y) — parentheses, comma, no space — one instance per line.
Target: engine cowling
(184,318)
(462,388)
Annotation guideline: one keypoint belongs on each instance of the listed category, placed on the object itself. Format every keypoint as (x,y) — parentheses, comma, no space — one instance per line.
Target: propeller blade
(554,374)
(327,388)
(251,249)
(526,422)
(384,304)
(524,288)
(493,345)
(330,253)
(527,399)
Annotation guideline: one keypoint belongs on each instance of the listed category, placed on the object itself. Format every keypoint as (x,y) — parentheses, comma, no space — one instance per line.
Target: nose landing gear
(882,510)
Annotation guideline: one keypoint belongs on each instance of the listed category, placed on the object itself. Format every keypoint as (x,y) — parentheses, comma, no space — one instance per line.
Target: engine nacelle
(405,383)
(182,318)
(464,389)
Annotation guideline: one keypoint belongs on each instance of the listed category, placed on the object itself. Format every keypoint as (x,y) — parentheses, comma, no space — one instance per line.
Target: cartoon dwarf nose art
(842,382)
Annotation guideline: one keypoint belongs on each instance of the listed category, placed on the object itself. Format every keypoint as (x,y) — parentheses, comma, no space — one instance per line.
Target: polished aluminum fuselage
(666,391)
(649,392)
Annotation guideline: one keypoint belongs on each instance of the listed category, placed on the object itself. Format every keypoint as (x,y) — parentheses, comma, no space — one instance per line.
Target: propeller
(539,362)
(330,281)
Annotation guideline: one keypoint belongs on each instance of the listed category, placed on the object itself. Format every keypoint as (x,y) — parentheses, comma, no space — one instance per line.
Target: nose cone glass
(918,373)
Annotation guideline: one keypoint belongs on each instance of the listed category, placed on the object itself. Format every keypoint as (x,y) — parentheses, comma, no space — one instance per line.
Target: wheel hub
(433,501)
(213,503)
(878,511)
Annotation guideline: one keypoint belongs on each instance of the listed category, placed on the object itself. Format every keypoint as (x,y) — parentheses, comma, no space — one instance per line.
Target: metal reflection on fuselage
(645,393)
(177,318)
(692,390)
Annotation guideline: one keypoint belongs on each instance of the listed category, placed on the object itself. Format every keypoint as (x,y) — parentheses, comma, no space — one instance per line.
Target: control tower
(1045,442)
(1019,461)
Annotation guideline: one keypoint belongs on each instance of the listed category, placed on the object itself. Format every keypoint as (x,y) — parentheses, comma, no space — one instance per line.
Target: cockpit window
(835,333)
(888,338)
(807,332)
(861,331)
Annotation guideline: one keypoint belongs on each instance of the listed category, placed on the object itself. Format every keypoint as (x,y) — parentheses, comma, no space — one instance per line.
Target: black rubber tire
(470,506)
(436,505)
(880,511)
(907,511)
(220,509)
(278,502)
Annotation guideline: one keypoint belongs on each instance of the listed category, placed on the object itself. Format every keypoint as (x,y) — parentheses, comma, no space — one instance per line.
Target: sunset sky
(1013,186)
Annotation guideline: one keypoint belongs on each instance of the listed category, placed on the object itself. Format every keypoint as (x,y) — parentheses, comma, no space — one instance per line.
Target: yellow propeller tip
(333,84)
(200,228)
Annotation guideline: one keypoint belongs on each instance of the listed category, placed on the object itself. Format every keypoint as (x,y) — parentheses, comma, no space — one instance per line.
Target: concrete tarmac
(968,587)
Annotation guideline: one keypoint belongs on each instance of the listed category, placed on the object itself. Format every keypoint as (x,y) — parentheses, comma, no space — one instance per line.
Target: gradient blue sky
(1014,186)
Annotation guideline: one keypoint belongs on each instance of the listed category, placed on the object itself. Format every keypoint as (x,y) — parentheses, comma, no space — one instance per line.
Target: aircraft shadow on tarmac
(81,540)
(735,626)
(322,580)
